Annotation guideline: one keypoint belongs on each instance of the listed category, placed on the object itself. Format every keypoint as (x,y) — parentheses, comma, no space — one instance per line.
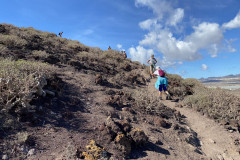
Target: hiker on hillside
(124,54)
(60,34)
(161,83)
(152,61)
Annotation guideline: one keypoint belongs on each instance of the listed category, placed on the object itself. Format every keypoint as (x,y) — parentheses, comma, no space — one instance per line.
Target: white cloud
(140,54)
(176,17)
(160,8)
(163,28)
(235,23)
(205,36)
(165,63)
(148,24)
(163,10)
(229,45)
(204,67)
(119,46)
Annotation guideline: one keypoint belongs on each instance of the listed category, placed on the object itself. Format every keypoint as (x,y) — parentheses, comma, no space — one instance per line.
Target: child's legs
(160,90)
(165,89)
(160,93)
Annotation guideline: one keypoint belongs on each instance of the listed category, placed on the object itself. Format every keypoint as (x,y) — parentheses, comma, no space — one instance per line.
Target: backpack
(161,73)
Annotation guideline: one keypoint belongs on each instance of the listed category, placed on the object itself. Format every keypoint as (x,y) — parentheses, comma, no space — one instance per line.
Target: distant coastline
(230,82)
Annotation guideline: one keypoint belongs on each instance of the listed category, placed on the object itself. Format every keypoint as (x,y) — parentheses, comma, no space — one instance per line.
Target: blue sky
(195,39)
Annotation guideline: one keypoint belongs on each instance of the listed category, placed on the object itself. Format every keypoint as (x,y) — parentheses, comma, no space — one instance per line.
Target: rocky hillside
(61,99)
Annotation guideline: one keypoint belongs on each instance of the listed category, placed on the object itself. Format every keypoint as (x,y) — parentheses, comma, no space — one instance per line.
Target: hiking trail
(216,142)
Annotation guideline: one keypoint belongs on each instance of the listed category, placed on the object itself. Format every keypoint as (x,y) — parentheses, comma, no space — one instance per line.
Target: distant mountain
(229,78)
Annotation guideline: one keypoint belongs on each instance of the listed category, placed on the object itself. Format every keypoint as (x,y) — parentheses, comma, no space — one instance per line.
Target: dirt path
(217,142)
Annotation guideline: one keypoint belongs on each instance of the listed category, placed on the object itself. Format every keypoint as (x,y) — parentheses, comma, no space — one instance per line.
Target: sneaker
(160,97)
(168,97)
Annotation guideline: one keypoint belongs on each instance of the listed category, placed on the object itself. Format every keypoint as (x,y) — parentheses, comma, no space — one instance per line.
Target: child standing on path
(152,61)
(161,83)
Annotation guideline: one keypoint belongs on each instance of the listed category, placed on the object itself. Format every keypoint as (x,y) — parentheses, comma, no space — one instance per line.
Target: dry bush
(191,82)
(95,50)
(33,39)
(27,32)
(73,44)
(12,40)
(8,122)
(3,49)
(218,104)
(179,87)
(20,81)
(116,59)
(22,137)
(84,54)
(147,70)
(94,152)
(112,55)
(40,54)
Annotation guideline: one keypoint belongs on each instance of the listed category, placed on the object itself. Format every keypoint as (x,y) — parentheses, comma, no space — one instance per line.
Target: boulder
(193,140)
(126,126)
(139,137)
(98,79)
(110,123)
(123,144)
(177,116)
(158,121)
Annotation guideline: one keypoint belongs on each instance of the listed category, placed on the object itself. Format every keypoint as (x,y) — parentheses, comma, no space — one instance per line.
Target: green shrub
(176,87)
(19,81)
(95,50)
(179,87)
(191,82)
(22,137)
(26,32)
(12,41)
(74,44)
(40,54)
(216,103)
(3,49)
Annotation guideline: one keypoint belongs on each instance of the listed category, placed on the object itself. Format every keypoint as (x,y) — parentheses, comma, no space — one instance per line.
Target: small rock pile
(121,136)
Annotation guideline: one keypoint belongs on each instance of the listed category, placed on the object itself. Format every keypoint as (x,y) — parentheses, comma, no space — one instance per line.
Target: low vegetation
(179,87)
(20,82)
(217,103)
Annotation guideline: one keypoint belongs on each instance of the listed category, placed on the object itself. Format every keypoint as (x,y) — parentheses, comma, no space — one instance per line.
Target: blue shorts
(162,86)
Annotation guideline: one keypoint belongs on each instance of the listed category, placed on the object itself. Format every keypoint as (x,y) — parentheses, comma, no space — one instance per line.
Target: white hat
(158,67)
